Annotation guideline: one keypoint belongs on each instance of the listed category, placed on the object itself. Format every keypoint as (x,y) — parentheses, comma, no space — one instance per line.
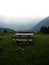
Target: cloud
(24,8)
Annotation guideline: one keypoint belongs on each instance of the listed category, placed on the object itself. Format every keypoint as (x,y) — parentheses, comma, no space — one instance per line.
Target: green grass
(36,53)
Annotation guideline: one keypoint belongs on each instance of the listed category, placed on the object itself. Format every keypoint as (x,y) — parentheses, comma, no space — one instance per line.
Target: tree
(5,31)
(48,30)
(43,29)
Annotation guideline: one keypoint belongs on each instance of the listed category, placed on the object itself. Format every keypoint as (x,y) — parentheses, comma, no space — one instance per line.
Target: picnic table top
(24,34)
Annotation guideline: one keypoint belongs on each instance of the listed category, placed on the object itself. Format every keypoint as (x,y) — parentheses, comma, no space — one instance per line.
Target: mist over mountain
(44,22)
(19,25)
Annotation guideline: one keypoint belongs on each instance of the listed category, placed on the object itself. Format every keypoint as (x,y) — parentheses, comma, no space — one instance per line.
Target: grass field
(36,53)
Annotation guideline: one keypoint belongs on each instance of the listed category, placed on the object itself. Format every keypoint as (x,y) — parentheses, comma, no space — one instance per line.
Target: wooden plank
(22,39)
(24,34)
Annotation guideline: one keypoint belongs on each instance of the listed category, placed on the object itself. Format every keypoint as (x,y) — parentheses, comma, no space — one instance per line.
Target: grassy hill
(35,54)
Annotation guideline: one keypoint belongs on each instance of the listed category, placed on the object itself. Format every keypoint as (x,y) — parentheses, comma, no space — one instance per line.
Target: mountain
(19,25)
(44,22)
(7,29)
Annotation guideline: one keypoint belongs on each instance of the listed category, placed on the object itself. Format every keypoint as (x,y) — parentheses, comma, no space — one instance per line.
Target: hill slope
(8,29)
(44,22)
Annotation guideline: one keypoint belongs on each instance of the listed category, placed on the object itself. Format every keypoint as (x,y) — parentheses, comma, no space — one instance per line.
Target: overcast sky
(19,9)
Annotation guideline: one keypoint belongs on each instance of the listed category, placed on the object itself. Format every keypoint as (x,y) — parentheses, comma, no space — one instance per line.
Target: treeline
(44,29)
